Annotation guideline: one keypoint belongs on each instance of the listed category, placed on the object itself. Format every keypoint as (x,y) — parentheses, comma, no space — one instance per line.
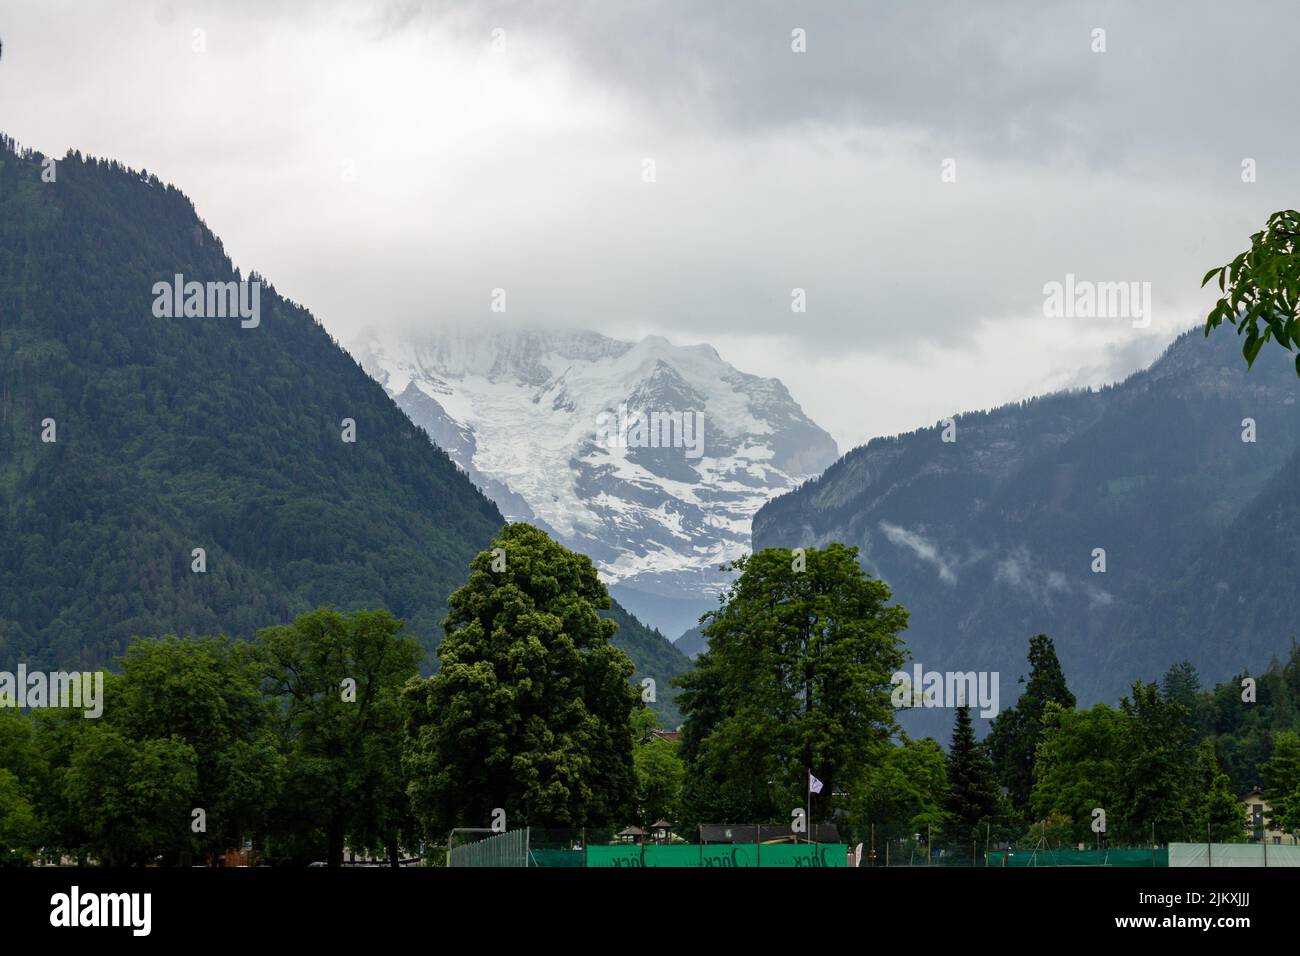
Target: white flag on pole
(814,785)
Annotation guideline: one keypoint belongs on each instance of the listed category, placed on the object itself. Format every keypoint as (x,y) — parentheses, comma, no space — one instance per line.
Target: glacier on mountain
(526,414)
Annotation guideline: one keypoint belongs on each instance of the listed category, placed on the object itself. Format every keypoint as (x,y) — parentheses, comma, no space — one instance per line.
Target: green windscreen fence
(729,854)
(671,855)
(551,857)
(1126,856)
(720,855)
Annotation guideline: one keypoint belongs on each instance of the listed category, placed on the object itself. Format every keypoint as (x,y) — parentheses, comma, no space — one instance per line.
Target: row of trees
(292,742)
(796,681)
(320,734)
(1169,759)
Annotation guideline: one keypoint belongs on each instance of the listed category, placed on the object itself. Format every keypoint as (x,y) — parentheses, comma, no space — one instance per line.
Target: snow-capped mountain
(649,457)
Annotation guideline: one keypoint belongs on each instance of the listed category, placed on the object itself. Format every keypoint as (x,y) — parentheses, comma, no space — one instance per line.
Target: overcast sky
(393,163)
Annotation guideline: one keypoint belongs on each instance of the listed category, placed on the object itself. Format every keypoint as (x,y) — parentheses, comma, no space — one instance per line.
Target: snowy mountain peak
(648,456)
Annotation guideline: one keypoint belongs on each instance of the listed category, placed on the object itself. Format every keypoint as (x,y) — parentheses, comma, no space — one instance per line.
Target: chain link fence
(871,845)
(483,848)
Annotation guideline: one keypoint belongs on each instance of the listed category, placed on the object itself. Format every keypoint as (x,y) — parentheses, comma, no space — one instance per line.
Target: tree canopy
(795,681)
(531,709)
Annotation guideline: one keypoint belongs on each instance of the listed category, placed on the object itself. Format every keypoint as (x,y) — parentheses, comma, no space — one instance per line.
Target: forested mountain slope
(172,434)
(992,537)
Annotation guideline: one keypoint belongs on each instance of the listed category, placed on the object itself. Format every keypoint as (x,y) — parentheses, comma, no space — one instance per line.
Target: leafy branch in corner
(1262,284)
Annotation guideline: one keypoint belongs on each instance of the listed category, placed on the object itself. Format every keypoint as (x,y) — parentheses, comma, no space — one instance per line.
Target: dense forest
(795,686)
(320,734)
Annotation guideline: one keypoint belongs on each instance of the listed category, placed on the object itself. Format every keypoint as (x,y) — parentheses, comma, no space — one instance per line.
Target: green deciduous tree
(57,734)
(1290,821)
(337,680)
(1282,782)
(23,782)
(1218,814)
(1079,766)
(19,827)
(133,796)
(659,772)
(1158,778)
(1261,288)
(204,691)
(531,708)
(796,679)
(907,788)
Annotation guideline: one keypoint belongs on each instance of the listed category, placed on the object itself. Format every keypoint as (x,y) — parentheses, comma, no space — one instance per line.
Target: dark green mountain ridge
(990,539)
(183,433)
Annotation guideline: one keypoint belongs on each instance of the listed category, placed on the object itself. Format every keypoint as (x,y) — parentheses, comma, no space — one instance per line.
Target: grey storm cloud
(473,168)
(1115,164)
(1009,78)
